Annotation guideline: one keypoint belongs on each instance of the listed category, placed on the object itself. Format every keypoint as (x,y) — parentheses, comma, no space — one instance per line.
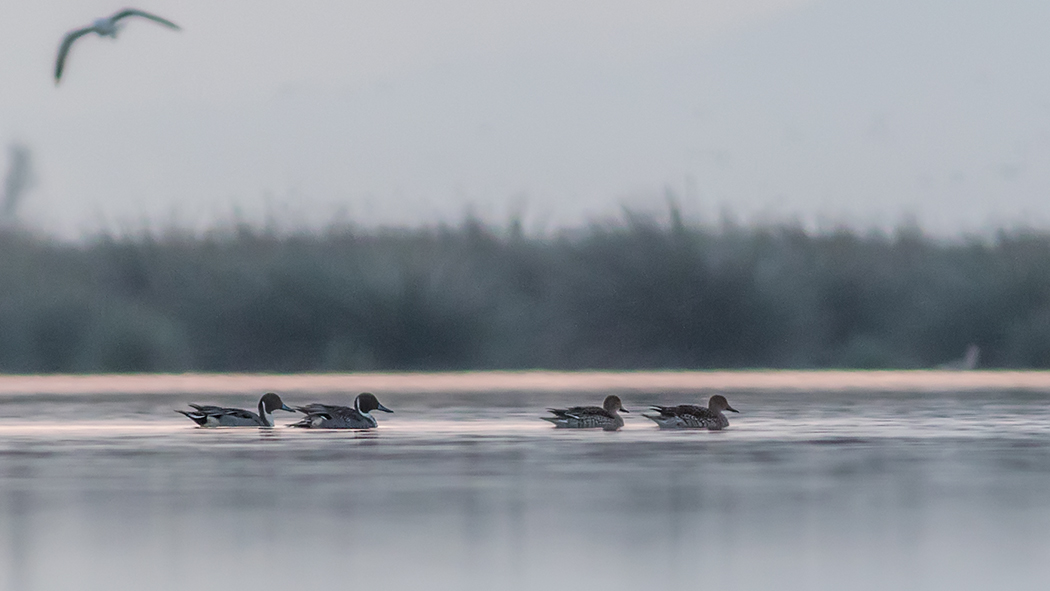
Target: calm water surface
(471,491)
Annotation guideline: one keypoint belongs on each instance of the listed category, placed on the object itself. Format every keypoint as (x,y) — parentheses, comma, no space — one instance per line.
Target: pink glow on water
(528,381)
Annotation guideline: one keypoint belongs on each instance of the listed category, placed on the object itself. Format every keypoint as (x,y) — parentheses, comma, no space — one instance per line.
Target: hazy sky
(867,112)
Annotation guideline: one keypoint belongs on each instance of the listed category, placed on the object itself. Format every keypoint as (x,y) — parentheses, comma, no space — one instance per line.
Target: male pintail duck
(217,416)
(324,416)
(589,417)
(688,416)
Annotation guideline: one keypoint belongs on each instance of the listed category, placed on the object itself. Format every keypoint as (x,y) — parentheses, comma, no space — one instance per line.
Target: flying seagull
(104,27)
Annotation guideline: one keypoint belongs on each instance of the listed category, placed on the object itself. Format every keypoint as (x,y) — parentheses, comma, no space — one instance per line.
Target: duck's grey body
(589,417)
(219,416)
(215,416)
(328,416)
(689,416)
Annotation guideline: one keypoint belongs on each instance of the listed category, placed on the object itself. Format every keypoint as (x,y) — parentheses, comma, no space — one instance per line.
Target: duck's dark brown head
(613,404)
(271,402)
(366,402)
(718,403)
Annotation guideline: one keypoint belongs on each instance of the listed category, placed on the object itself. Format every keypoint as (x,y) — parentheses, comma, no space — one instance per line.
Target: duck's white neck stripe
(265,416)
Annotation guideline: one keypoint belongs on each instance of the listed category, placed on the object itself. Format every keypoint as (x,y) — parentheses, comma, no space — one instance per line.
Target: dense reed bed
(634,294)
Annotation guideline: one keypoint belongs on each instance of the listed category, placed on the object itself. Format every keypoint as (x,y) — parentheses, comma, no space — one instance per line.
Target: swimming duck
(103,27)
(325,416)
(688,416)
(589,417)
(217,416)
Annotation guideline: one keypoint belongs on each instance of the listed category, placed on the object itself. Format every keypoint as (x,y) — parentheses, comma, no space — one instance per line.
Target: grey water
(822,490)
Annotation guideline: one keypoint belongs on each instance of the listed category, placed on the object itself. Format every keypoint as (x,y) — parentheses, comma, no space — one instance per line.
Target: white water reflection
(473,491)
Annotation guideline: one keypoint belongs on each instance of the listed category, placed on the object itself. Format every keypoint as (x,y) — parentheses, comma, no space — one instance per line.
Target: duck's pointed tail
(196,417)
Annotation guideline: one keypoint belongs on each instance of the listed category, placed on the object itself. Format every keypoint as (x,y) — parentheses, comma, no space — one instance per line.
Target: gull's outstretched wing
(63,50)
(135,12)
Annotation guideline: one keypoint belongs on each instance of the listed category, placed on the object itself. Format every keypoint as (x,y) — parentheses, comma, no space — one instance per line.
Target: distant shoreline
(527,381)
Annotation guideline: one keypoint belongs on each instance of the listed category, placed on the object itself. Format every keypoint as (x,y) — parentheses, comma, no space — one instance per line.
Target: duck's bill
(624,410)
(287,408)
(384,409)
(731,409)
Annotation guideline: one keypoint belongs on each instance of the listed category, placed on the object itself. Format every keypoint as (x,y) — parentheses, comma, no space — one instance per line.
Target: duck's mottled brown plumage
(690,416)
(589,417)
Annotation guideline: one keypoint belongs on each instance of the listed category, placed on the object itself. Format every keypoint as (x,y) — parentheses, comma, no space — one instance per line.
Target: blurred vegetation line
(17,182)
(639,294)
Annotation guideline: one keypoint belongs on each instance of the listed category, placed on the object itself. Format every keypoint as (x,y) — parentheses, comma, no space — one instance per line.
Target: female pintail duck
(589,417)
(324,416)
(688,416)
(217,416)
